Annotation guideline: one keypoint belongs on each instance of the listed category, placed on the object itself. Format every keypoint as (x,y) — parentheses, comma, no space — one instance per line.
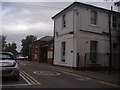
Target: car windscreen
(6,56)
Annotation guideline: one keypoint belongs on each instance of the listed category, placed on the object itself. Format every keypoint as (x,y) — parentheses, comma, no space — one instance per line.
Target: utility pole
(110,41)
(118,5)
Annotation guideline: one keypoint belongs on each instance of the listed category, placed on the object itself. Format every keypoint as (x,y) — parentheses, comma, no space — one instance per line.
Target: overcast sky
(23,18)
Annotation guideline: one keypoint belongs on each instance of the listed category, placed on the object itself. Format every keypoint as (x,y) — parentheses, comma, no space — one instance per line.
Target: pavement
(101,76)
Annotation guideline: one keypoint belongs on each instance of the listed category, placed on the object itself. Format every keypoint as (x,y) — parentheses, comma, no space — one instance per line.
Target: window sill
(63,28)
(92,25)
(63,60)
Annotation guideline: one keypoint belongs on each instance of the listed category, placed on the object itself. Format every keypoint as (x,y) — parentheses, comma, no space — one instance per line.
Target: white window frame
(93,51)
(64,21)
(63,51)
(93,18)
(114,22)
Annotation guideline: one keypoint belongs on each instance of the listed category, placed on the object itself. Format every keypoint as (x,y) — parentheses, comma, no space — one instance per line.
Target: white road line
(18,84)
(84,77)
(25,79)
(15,85)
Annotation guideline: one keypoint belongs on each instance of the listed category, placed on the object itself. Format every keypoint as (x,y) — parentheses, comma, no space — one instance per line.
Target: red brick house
(42,50)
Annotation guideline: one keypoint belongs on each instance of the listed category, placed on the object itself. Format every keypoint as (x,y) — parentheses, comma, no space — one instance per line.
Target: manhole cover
(46,73)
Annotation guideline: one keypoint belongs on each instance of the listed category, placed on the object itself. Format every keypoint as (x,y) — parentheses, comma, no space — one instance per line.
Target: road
(38,75)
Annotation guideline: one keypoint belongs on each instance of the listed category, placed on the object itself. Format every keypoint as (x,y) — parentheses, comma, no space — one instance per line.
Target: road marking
(25,79)
(85,77)
(81,79)
(14,85)
(76,75)
(82,76)
(88,78)
(31,79)
(107,83)
(46,73)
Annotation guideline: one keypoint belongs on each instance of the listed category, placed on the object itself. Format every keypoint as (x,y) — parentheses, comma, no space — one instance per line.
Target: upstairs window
(64,21)
(93,17)
(114,22)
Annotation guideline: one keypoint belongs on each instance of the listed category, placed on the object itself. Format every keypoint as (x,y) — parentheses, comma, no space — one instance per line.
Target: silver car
(8,65)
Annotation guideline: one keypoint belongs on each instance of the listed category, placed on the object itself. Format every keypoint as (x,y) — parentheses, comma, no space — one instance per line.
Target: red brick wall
(39,52)
(49,61)
(35,50)
(50,48)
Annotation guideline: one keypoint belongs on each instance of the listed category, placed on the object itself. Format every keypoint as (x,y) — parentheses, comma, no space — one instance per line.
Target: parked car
(26,58)
(9,66)
(20,58)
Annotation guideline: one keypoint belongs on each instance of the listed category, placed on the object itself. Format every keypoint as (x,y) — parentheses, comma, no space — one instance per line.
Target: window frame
(63,51)
(114,22)
(93,18)
(93,51)
(64,21)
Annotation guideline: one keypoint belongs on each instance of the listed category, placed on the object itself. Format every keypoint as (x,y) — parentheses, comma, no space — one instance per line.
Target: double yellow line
(28,78)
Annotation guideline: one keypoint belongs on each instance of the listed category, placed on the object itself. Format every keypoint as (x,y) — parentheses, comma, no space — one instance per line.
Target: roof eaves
(79,3)
(64,10)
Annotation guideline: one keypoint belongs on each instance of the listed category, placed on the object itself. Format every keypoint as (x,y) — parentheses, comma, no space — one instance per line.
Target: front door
(44,54)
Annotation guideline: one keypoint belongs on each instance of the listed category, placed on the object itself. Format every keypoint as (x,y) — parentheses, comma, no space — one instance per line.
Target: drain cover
(46,73)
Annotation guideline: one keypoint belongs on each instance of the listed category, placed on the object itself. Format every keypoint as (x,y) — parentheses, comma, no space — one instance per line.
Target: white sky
(33,17)
(55,0)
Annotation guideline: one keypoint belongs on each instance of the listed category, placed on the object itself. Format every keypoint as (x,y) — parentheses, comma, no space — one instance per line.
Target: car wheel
(16,78)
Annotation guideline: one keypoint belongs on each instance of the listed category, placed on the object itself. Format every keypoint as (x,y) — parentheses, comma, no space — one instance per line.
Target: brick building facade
(42,50)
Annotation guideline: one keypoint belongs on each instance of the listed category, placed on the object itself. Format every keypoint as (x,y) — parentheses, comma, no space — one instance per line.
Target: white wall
(64,36)
(69,24)
(80,41)
(83,46)
(83,38)
(69,48)
(84,17)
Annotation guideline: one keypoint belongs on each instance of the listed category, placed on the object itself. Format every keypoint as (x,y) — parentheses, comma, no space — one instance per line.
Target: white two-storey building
(81,36)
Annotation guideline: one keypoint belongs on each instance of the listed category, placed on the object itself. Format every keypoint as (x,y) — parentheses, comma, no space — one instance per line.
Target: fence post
(77,63)
(110,66)
(85,60)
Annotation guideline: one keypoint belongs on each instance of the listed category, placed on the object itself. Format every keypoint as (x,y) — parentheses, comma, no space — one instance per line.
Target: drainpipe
(53,43)
(73,39)
(110,41)
(74,20)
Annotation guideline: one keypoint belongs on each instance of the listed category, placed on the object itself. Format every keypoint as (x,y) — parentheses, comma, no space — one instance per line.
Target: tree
(2,42)
(118,5)
(26,43)
(11,48)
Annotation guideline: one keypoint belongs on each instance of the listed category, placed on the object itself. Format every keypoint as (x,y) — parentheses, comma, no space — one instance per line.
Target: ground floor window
(35,56)
(63,50)
(50,54)
(93,51)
